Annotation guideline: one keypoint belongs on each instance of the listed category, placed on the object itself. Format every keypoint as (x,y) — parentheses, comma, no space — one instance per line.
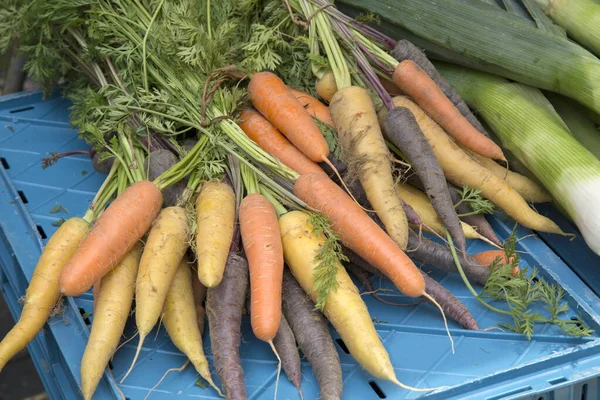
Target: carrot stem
(466,281)
(279,208)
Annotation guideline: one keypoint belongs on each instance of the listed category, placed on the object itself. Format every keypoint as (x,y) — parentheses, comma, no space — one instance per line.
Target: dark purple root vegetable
(402,129)
(439,256)
(411,215)
(102,166)
(313,337)
(452,306)
(363,277)
(224,306)
(189,143)
(405,50)
(158,162)
(479,222)
(285,344)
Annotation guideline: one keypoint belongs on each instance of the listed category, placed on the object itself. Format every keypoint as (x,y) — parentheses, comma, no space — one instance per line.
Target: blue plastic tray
(487,365)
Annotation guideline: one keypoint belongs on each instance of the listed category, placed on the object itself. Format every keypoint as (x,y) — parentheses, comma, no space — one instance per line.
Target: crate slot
(511,393)
(41,231)
(342,345)
(19,110)
(22,196)
(377,390)
(557,381)
(4,163)
(83,313)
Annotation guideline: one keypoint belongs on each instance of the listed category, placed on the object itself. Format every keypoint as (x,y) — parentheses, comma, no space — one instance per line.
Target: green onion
(530,128)
(491,40)
(580,18)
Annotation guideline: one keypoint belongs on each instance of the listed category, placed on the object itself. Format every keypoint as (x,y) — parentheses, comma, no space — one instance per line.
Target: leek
(580,18)
(576,118)
(490,39)
(530,128)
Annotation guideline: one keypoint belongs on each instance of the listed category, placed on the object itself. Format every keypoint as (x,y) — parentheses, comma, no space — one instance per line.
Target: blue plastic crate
(487,365)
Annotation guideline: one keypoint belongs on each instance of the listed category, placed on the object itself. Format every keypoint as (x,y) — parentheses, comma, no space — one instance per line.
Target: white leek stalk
(530,128)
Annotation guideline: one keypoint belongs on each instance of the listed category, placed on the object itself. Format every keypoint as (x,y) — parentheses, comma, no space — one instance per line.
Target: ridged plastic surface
(486,365)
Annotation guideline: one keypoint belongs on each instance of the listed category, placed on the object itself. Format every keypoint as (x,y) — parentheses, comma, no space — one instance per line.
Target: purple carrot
(224,305)
(314,339)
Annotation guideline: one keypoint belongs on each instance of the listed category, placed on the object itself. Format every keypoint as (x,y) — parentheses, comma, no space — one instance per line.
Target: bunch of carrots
(302,192)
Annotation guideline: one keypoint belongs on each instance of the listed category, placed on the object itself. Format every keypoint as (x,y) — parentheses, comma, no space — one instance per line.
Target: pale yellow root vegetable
(112,304)
(432,223)
(215,215)
(361,139)
(180,320)
(326,86)
(165,247)
(344,307)
(43,292)
(527,188)
(462,170)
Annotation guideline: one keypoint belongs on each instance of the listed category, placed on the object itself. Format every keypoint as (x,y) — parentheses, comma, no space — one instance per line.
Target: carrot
(405,50)
(262,245)
(450,304)
(273,142)
(271,97)
(499,256)
(165,247)
(180,320)
(111,309)
(418,200)
(113,235)
(361,139)
(314,339)
(215,217)
(413,81)
(313,106)
(344,307)
(43,292)
(158,162)
(285,344)
(438,256)
(403,131)
(199,296)
(527,188)
(359,232)
(326,86)
(224,305)
(462,170)
(464,210)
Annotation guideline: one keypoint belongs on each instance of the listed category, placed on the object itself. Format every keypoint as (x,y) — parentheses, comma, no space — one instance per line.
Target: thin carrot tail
(278,367)
(336,172)
(428,297)
(165,375)
(137,353)
(412,389)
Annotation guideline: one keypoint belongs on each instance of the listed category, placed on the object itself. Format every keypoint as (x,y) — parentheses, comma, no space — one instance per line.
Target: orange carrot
(273,142)
(360,233)
(415,82)
(271,97)
(313,106)
(488,257)
(113,235)
(262,244)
